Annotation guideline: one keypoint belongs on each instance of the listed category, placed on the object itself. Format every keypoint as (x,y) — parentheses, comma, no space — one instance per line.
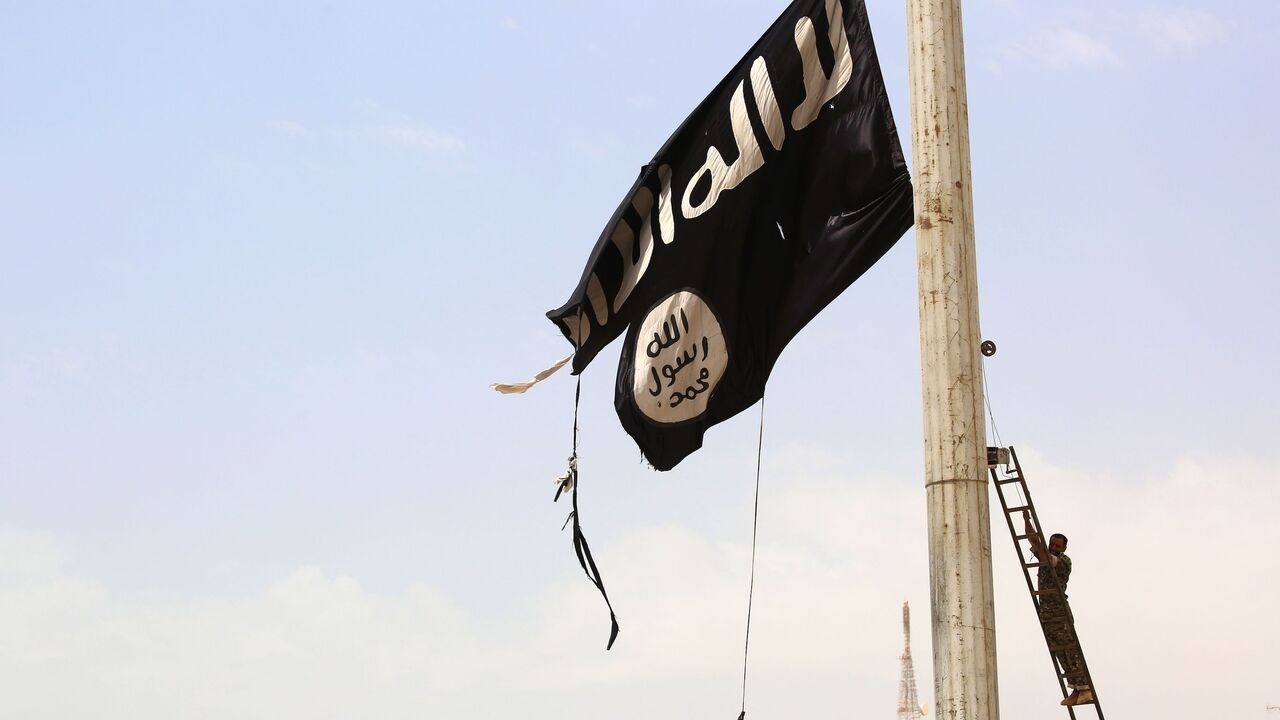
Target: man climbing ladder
(1055,613)
(1048,590)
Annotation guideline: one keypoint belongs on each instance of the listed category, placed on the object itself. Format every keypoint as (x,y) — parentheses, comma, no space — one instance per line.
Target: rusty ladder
(1004,474)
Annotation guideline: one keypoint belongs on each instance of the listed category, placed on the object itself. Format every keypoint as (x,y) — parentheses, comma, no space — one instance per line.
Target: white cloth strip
(510,388)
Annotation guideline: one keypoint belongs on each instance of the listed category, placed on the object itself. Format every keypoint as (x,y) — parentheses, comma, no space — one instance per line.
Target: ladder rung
(1031,565)
(1086,677)
(1020,508)
(1006,481)
(1060,648)
(1050,591)
(1021,537)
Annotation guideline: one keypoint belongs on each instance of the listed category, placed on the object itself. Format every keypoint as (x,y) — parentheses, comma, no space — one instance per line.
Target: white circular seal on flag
(679,358)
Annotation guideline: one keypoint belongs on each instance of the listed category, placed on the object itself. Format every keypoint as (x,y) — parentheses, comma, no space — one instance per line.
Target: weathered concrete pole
(964,639)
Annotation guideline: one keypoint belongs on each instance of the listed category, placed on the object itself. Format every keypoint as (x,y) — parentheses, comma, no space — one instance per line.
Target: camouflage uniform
(1055,617)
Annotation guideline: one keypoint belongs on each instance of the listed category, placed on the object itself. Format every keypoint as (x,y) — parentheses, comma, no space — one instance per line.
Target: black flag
(780,189)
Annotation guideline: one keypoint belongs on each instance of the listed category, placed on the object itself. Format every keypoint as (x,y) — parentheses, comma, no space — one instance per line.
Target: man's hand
(1036,548)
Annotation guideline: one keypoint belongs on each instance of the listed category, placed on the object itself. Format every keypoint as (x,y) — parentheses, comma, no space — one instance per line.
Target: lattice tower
(909,707)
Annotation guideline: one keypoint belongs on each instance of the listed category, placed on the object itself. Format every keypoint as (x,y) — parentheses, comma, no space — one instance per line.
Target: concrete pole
(964,639)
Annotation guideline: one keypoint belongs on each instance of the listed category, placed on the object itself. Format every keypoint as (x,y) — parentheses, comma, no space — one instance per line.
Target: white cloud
(1183,28)
(1174,589)
(291,128)
(81,365)
(390,128)
(1064,47)
(27,555)
(509,23)
(396,129)
(309,646)
(418,138)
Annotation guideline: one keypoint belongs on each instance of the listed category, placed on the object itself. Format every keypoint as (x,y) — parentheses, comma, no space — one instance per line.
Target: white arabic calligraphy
(635,245)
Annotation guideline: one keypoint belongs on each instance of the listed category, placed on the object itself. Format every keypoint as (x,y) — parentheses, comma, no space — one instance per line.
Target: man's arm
(1037,547)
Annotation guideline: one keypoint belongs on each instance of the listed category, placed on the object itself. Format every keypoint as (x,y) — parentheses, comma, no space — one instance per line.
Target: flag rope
(751,587)
(991,420)
(986,396)
(580,547)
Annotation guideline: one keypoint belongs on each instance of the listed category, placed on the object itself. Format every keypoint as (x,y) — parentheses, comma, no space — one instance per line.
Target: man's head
(1057,543)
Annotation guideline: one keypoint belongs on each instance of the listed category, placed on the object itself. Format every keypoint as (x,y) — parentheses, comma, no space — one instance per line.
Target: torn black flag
(780,189)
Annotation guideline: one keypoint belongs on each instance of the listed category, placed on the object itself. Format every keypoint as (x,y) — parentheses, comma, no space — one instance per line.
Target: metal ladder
(1011,474)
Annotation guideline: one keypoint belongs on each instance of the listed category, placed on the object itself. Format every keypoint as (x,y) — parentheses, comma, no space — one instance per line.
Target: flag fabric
(780,189)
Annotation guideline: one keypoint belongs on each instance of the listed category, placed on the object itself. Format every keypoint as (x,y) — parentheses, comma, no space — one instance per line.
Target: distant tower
(909,707)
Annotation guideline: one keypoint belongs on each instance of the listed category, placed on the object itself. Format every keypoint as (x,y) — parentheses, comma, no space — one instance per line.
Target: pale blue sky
(259,264)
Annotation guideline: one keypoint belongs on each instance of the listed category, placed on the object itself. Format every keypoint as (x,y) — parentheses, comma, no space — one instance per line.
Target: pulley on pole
(963,611)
